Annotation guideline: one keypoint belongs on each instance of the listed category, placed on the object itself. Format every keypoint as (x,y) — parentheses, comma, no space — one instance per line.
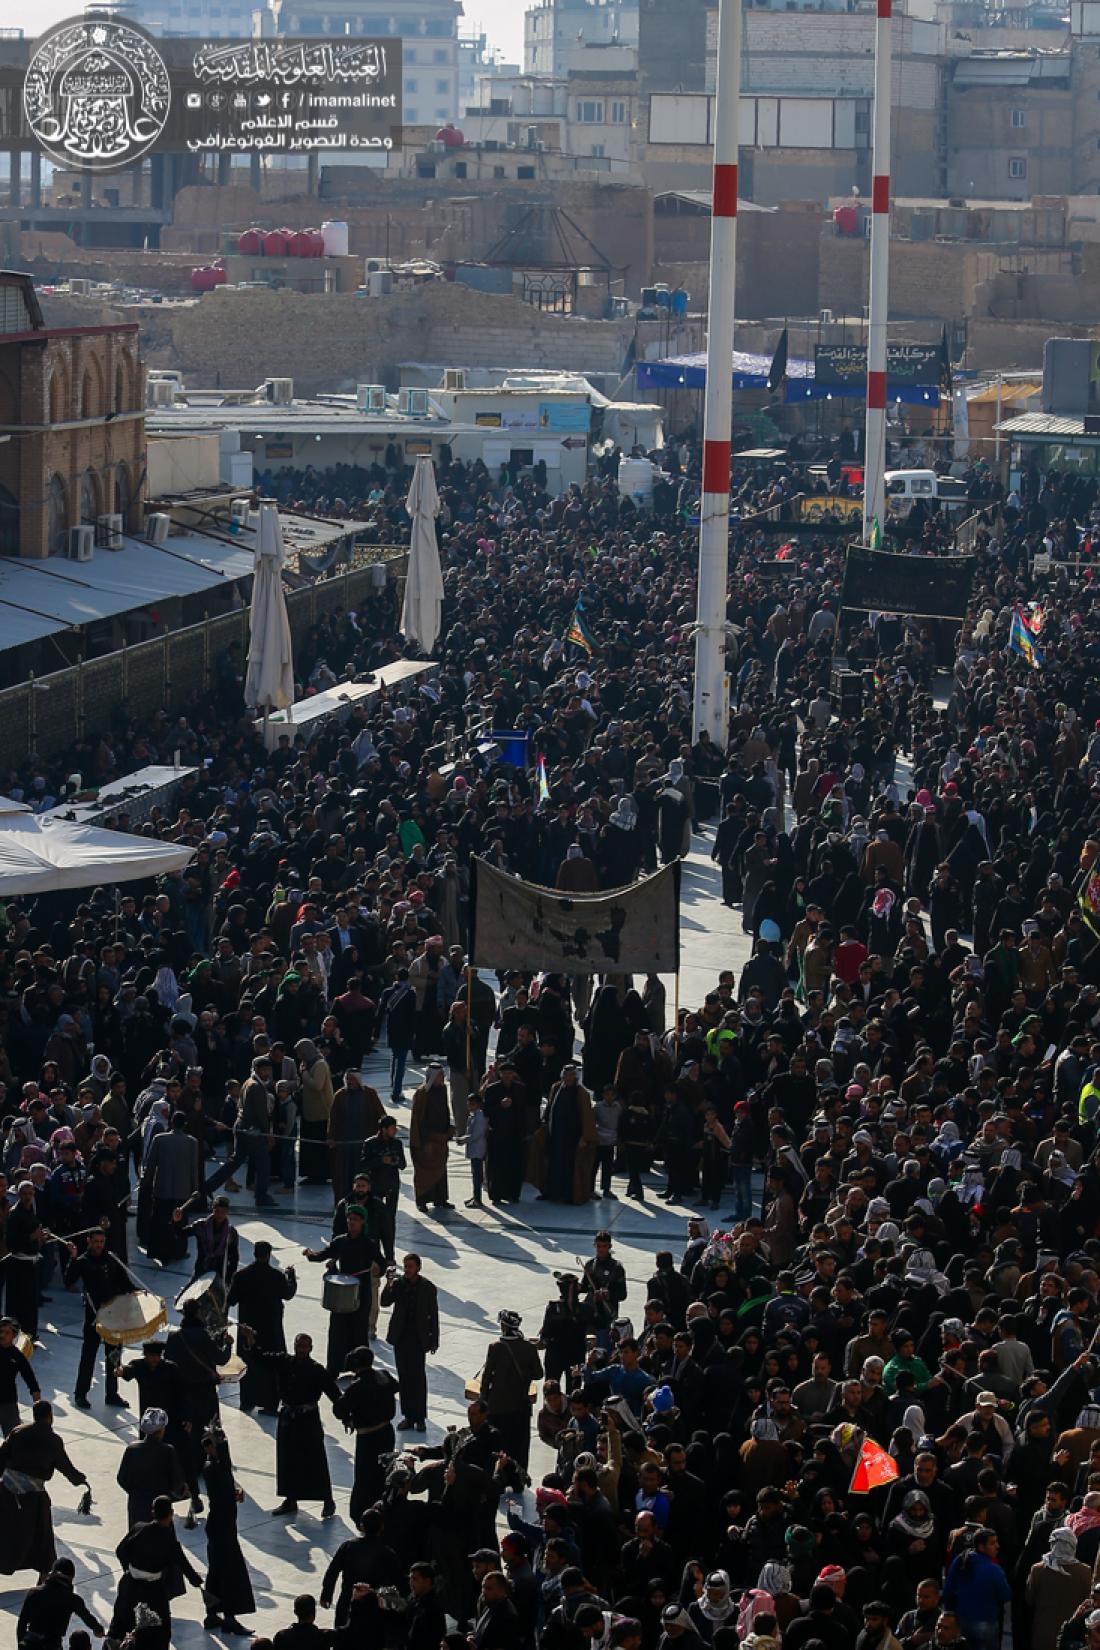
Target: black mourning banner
(846,364)
(633,930)
(924,587)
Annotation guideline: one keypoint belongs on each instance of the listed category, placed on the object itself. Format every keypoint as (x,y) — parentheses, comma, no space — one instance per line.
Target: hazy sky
(502,20)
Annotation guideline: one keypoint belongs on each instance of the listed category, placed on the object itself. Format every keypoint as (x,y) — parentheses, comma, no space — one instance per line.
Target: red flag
(873,1468)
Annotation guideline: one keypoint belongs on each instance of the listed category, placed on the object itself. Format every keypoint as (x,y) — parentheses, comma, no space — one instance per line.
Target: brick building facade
(72,425)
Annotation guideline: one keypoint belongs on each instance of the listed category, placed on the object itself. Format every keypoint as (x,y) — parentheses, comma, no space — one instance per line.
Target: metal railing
(966,533)
(456,742)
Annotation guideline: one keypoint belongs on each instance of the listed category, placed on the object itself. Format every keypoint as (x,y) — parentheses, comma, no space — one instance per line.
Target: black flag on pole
(945,381)
(777,372)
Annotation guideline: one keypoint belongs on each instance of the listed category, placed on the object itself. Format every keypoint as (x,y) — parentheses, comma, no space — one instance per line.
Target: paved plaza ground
(480,1262)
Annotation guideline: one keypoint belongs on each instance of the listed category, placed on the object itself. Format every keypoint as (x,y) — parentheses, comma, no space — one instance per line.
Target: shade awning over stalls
(41,598)
(40,854)
(750,372)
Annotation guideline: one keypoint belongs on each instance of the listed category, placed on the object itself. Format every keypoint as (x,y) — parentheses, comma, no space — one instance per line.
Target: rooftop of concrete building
(325,415)
(1053,426)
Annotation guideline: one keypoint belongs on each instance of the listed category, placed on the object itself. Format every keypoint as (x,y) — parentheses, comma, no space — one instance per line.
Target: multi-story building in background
(202,19)
(427,29)
(555,29)
(672,45)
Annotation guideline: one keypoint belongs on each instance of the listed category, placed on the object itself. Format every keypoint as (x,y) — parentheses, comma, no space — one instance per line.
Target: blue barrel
(513,747)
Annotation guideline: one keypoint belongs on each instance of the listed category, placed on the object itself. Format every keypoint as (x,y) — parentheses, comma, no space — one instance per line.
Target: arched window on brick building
(58,515)
(58,395)
(123,493)
(90,507)
(9,523)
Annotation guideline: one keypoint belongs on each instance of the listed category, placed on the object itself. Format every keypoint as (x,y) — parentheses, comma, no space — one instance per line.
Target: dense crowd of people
(883,1124)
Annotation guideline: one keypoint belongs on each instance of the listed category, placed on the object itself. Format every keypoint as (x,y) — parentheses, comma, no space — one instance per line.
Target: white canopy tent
(420,617)
(42,855)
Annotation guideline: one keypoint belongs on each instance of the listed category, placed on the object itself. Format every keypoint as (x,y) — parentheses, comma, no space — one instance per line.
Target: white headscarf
(160,1115)
(722,1609)
(774,1579)
(1062,1551)
(167,987)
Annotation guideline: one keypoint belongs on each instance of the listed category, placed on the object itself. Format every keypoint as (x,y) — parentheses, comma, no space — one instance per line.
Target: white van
(905,487)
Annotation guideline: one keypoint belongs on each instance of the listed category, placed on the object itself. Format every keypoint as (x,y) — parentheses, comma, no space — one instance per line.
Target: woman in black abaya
(228,1589)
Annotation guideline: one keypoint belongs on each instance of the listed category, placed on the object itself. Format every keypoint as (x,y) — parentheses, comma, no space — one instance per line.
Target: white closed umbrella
(269,684)
(420,616)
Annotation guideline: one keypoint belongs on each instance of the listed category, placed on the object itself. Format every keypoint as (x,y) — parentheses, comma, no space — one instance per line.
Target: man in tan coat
(576,874)
(315,1098)
(881,850)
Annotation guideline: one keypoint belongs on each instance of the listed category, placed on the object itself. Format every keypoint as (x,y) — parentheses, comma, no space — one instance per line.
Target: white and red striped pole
(878,313)
(711,704)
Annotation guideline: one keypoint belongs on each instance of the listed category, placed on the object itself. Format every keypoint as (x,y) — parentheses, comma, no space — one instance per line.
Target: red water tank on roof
(220,275)
(202,280)
(299,244)
(846,219)
(250,242)
(275,243)
(316,243)
(451,136)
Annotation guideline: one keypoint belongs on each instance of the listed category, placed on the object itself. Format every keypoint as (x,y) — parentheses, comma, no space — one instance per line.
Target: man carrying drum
(261,1292)
(356,1255)
(102,1277)
(14,1366)
(217,1242)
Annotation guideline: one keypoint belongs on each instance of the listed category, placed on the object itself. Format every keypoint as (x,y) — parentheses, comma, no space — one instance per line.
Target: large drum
(232,1369)
(341,1293)
(127,1320)
(209,1294)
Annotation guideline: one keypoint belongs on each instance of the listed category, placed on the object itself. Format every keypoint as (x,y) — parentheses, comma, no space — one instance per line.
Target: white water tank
(636,482)
(335,236)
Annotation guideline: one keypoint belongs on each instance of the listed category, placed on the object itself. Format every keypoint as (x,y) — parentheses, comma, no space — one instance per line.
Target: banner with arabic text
(633,930)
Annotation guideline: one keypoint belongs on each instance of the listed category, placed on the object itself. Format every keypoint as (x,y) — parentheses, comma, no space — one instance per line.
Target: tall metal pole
(711,709)
(878,313)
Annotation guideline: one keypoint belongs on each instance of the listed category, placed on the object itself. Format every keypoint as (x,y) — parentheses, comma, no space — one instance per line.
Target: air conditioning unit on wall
(109,532)
(81,543)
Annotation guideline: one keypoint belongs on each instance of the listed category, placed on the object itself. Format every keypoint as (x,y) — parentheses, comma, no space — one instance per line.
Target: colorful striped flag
(1021,641)
(542,784)
(874,538)
(1088,899)
(579,633)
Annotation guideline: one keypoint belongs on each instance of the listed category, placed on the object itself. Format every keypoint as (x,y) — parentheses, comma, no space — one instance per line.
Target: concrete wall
(672,44)
(1086,118)
(994,345)
(774,175)
(181,464)
(926,278)
(777,259)
(333,343)
(1055,288)
(419,218)
(981,141)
